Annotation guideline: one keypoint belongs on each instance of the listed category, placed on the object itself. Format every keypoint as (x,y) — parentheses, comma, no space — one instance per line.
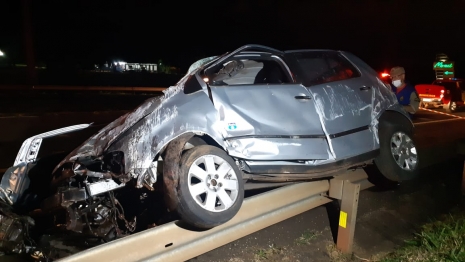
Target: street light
(1,53)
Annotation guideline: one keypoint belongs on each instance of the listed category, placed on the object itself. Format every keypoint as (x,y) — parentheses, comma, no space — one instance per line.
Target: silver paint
(261,122)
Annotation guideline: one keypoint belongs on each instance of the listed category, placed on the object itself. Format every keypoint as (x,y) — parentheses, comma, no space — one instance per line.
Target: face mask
(397,83)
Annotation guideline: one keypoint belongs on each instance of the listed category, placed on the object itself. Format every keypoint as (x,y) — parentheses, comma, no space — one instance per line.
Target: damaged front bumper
(14,231)
(14,228)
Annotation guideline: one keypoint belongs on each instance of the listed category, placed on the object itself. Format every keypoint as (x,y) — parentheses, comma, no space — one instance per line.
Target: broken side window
(321,67)
(245,71)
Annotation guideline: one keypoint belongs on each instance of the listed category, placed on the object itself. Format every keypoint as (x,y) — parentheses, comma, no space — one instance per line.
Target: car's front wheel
(398,159)
(211,189)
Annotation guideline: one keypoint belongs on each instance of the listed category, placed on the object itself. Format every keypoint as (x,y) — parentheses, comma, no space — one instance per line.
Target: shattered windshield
(200,63)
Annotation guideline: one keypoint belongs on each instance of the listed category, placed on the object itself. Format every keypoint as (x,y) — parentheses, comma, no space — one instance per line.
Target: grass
(275,253)
(307,237)
(437,241)
(268,253)
(441,240)
(335,255)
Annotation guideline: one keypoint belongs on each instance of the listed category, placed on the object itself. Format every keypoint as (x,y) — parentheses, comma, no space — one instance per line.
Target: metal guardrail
(83,88)
(171,242)
(100,88)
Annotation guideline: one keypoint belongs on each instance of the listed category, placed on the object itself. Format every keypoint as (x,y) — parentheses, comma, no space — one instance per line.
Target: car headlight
(30,148)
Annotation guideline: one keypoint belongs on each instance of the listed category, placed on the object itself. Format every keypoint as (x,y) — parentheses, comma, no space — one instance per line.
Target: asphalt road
(429,115)
(38,102)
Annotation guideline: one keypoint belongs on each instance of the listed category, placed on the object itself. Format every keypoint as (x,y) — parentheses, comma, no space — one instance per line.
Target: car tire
(398,158)
(193,142)
(451,107)
(208,174)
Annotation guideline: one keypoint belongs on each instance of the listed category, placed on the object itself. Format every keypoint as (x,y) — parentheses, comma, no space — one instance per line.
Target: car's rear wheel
(398,159)
(452,107)
(211,189)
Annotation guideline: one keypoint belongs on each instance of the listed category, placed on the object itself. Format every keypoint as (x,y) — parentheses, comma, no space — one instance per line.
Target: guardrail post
(463,179)
(461,153)
(347,216)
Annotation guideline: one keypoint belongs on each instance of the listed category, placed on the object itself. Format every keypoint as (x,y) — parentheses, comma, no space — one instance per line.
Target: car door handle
(365,88)
(302,97)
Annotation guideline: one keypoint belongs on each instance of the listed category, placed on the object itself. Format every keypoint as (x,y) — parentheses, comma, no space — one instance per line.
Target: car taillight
(442,91)
(441,96)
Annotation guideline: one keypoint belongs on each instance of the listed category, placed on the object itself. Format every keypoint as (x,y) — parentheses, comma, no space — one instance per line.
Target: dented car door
(265,115)
(343,96)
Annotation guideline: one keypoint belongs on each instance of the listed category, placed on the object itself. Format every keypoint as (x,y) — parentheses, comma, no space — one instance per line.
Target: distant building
(148,67)
(121,66)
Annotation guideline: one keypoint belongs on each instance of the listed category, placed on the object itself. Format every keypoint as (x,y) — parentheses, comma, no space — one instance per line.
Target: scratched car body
(250,118)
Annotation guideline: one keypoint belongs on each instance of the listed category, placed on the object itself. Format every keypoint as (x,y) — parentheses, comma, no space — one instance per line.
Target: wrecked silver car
(256,116)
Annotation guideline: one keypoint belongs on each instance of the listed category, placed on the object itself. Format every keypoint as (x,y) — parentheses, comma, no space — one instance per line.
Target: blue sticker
(232,126)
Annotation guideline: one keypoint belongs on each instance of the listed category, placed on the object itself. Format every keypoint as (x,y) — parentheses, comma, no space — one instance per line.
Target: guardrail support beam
(463,179)
(347,216)
(461,153)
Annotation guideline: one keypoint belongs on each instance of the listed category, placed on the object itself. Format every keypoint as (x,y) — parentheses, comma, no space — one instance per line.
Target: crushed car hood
(142,133)
(99,142)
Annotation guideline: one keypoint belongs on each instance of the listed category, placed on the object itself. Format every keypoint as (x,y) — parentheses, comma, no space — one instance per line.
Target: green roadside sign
(443,65)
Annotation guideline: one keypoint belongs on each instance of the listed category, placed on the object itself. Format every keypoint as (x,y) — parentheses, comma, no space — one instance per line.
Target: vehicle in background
(386,78)
(430,95)
(454,95)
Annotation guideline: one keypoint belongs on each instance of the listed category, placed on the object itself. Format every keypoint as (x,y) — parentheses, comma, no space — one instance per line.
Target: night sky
(384,33)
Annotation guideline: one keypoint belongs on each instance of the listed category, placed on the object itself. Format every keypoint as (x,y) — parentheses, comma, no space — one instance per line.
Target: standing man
(405,93)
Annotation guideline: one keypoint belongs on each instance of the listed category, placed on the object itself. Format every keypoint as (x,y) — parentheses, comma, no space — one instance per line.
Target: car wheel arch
(207,140)
(393,116)
(205,137)
(171,155)
(387,171)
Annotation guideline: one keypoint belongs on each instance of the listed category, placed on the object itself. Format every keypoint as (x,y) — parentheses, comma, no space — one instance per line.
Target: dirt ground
(385,219)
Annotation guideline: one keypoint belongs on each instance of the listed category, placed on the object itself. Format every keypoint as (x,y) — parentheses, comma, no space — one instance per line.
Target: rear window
(448,85)
(319,67)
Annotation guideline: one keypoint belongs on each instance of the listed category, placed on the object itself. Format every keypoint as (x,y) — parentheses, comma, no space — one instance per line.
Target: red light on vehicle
(442,91)
(384,75)
(441,96)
